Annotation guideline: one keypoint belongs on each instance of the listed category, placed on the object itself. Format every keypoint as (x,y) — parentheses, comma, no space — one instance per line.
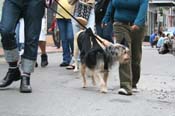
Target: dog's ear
(90,32)
(124,42)
(111,49)
(120,46)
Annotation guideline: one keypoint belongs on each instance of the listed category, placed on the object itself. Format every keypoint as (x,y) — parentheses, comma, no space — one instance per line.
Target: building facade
(161,13)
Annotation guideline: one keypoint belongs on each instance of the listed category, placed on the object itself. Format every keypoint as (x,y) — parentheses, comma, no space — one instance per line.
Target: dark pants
(130,72)
(105,32)
(32,11)
(67,38)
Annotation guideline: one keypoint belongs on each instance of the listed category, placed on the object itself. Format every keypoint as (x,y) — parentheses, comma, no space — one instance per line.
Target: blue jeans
(105,32)
(67,37)
(32,11)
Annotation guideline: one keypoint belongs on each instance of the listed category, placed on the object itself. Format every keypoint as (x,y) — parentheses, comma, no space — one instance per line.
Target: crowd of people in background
(158,37)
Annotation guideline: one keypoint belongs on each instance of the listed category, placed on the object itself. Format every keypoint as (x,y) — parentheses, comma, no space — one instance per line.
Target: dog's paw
(84,86)
(103,90)
(76,70)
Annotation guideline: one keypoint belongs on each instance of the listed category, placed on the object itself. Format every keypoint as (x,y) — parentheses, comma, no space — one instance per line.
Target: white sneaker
(135,90)
(21,52)
(123,91)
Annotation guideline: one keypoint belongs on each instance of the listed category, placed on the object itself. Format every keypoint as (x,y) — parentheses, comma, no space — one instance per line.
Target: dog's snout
(126,56)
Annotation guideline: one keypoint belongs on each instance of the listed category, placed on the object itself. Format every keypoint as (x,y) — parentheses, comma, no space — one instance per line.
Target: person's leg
(65,44)
(42,44)
(70,35)
(91,21)
(107,32)
(76,28)
(99,29)
(137,39)
(33,13)
(44,57)
(122,32)
(10,15)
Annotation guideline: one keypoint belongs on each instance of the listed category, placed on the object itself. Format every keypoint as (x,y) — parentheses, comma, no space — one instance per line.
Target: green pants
(130,73)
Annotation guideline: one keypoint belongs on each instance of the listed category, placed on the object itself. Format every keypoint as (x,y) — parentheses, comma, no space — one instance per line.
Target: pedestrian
(90,21)
(85,7)
(152,39)
(129,29)
(160,41)
(32,11)
(100,10)
(66,31)
(42,42)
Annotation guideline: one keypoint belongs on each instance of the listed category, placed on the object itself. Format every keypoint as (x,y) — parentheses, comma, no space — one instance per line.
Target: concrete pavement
(58,92)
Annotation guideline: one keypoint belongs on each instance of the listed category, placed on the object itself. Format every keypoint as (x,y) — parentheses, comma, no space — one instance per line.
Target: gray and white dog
(97,57)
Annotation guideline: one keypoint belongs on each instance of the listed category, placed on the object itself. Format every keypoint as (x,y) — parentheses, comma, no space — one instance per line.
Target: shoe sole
(26,91)
(44,65)
(121,93)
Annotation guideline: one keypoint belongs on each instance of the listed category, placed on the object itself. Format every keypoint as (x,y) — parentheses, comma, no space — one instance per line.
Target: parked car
(169,30)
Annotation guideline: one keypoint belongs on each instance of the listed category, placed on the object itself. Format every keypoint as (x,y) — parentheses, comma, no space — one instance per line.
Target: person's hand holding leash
(134,27)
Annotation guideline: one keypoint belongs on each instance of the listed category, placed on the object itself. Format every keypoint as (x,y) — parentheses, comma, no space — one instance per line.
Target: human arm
(141,16)
(53,25)
(107,18)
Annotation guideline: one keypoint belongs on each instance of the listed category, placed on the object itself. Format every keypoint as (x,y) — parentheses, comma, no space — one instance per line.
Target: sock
(26,74)
(13,65)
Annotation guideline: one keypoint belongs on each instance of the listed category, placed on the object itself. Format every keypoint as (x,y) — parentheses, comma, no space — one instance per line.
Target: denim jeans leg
(65,43)
(105,32)
(32,16)
(70,35)
(10,16)
(99,29)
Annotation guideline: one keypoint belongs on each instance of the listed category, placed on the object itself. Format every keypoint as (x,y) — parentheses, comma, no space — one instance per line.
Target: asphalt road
(58,92)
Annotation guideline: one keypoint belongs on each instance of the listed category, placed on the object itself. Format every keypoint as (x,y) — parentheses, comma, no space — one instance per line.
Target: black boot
(12,75)
(25,85)
(36,64)
(44,61)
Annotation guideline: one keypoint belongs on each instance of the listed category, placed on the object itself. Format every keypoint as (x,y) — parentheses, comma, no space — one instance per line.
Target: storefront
(161,13)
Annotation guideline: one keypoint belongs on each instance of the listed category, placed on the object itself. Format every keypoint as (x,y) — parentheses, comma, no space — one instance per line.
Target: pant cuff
(27,65)
(11,55)
(127,86)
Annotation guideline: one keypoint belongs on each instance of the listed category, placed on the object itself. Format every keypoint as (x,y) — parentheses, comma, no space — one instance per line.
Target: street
(58,92)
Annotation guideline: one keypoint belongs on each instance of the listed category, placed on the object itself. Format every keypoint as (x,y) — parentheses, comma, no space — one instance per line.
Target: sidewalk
(51,48)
